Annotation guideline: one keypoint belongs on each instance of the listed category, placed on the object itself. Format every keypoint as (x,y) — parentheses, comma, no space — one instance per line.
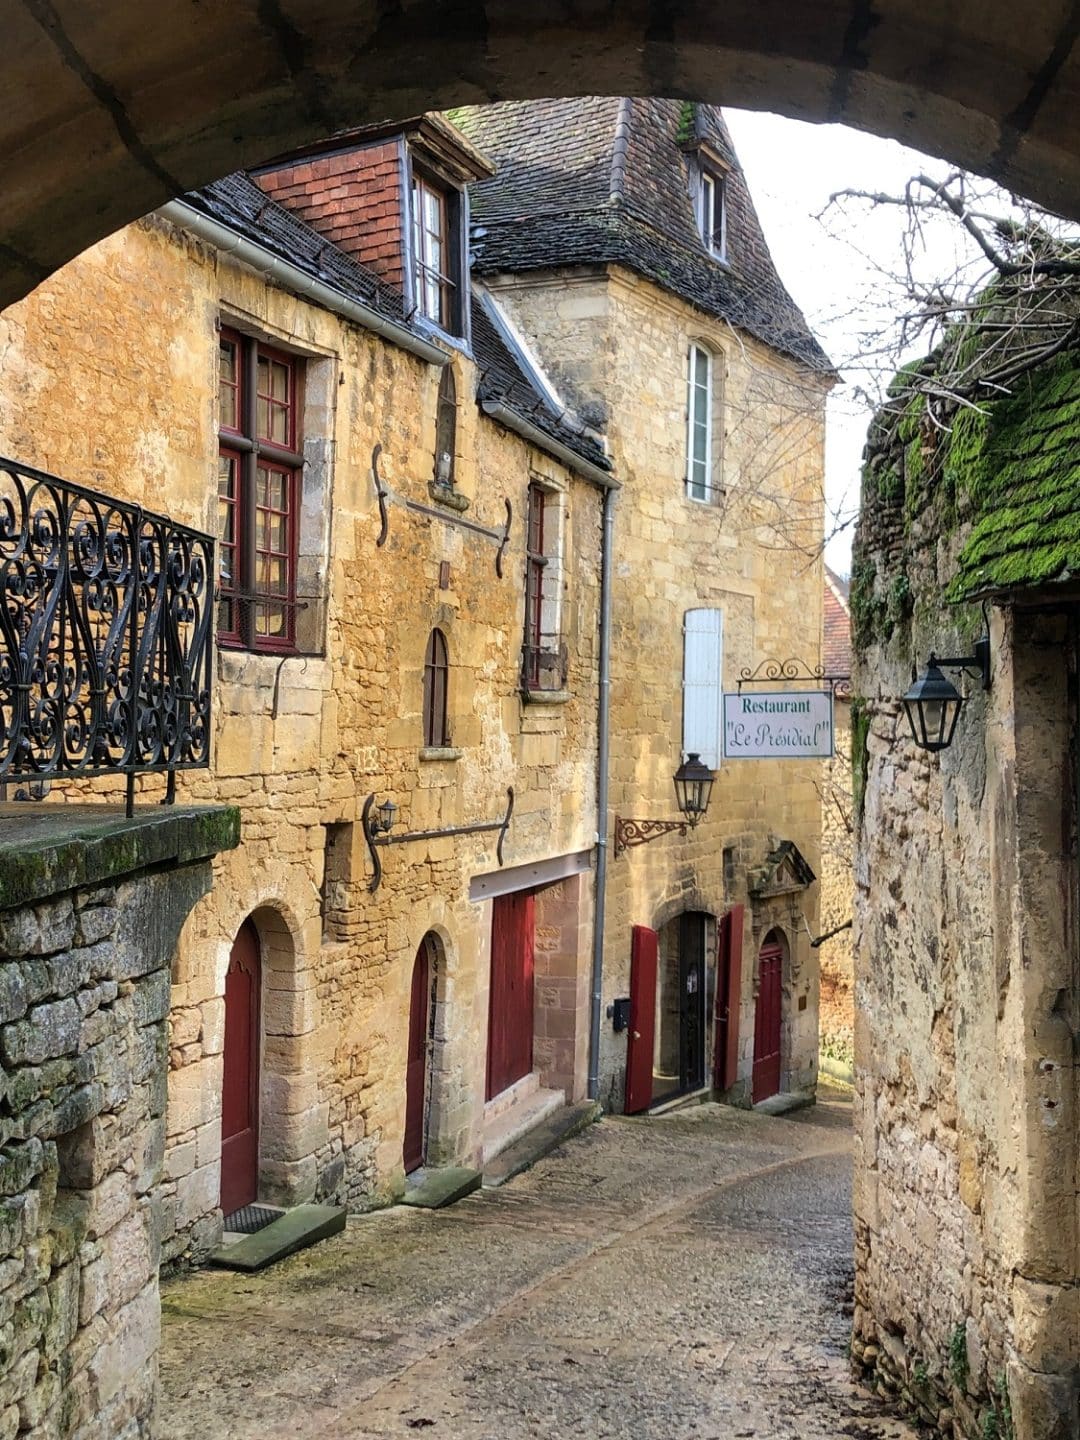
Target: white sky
(830,266)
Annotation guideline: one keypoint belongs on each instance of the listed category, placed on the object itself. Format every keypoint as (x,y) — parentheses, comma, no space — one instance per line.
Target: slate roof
(602,180)
(241,205)
(836,649)
(1024,478)
(246,208)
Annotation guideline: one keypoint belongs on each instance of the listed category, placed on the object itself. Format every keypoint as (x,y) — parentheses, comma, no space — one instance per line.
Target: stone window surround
(317,404)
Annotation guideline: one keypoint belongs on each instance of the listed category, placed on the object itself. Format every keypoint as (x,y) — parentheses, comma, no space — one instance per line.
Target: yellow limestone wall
(756,555)
(108,377)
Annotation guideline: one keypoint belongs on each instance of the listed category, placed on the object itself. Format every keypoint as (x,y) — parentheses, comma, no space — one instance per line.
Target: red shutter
(639,1045)
(510,1005)
(728,990)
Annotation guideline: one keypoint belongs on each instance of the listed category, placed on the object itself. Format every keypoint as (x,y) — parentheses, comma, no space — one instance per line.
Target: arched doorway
(416,1066)
(768,1019)
(240,1080)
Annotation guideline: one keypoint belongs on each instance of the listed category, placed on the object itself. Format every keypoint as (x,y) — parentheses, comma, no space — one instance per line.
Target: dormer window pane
(433,283)
(711,219)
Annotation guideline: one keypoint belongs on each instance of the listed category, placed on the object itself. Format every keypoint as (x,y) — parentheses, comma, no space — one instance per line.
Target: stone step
(438,1187)
(784,1103)
(298,1228)
(540,1141)
(504,1128)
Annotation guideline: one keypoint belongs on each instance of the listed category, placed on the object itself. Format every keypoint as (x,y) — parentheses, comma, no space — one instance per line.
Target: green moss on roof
(1020,463)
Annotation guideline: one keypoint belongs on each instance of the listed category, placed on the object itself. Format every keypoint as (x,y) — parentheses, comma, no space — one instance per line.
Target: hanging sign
(778,725)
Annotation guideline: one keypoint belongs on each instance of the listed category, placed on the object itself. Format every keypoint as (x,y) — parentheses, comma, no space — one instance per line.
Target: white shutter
(703,648)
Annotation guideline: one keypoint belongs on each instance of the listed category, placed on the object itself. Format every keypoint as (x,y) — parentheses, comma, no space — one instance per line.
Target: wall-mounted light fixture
(933,703)
(693,790)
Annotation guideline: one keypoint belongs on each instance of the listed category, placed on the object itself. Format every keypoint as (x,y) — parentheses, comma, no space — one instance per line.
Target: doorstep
(543,1137)
(515,1112)
(432,1188)
(784,1103)
(293,1230)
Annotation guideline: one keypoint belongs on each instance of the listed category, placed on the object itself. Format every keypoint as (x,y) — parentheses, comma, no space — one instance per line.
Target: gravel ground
(686,1277)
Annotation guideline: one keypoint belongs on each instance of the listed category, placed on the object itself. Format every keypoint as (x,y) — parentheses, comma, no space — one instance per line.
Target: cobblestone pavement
(685,1277)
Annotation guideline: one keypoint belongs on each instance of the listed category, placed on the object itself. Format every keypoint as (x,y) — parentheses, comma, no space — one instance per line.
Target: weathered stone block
(48,1031)
(40,930)
(13,993)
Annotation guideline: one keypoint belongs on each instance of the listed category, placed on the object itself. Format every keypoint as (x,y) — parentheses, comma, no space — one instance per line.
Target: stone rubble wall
(966,1232)
(84,1003)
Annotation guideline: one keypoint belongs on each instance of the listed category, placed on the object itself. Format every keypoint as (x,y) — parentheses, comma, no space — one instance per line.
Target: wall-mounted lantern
(933,703)
(693,790)
(384,819)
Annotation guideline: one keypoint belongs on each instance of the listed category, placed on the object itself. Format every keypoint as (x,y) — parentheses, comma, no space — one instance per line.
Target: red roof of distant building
(836,651)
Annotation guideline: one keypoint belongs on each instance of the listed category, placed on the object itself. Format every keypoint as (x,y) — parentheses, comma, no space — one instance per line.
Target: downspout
(603,747)
(273,268)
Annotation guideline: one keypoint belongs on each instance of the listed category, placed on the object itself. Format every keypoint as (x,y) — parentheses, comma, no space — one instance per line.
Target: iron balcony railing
(106,636)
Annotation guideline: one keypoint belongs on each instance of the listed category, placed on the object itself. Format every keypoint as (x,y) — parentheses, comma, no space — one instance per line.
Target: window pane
(228,387)
(279,380)
(227,476)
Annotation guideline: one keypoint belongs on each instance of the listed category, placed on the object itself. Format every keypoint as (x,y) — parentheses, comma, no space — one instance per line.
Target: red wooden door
(416,1064)
(766,1079)
(240,1081)
(728,993)
(510,1006)
(641,1039)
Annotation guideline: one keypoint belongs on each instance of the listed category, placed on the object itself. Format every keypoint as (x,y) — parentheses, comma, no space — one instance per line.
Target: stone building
(620,237)
(411,458)
(967,988)
(837,842)
(372,622)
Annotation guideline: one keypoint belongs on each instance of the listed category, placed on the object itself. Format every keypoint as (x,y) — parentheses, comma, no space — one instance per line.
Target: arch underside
(111,108)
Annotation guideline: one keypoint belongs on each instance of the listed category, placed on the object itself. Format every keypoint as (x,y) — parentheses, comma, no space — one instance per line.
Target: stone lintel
(48,849)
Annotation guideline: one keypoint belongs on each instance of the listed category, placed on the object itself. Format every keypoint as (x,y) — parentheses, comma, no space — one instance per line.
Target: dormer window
(435,286)
(712,213)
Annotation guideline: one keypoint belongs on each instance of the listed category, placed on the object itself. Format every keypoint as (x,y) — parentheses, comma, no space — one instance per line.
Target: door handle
(637,1034)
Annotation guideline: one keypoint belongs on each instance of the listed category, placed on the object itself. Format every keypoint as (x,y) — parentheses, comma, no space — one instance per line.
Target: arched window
(436,682)
(446,430)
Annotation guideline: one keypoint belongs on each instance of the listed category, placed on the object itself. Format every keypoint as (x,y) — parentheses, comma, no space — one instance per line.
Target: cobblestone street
(684,1276)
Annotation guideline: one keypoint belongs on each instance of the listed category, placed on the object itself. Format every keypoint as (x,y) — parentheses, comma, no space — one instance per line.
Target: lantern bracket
(977,663)
(640,832)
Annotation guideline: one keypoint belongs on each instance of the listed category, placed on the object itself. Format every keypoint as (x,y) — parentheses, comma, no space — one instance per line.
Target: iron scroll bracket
(502,546)
(639,832)
(376,838)
(794,671)
(381,494)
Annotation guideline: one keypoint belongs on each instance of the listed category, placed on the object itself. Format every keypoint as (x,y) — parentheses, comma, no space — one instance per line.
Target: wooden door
(510,1006)
(767,1021)
(728,988)
(691,1001)
(641,1039)
(240,1081)
(416,1064)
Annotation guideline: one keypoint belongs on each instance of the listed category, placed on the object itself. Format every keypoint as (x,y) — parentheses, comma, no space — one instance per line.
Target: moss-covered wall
(966,986)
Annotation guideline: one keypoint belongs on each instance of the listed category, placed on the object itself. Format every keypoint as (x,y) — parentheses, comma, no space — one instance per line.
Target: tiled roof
(241,205)
(599,180)
(836,650)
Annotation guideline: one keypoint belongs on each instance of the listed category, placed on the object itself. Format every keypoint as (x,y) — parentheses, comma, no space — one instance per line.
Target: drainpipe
(603,747)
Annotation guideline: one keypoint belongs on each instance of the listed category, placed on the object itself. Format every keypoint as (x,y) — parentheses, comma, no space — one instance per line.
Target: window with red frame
(259,469)
(544,656)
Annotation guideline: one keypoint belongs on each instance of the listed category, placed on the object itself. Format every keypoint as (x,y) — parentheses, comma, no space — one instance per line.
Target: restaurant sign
(778,725)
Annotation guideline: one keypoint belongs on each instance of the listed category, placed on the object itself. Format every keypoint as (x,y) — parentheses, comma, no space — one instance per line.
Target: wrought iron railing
(106,635)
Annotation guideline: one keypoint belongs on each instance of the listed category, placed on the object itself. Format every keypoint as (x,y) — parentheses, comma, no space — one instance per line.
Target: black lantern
(933,708)
(693,787)
(387,816)
(933,703)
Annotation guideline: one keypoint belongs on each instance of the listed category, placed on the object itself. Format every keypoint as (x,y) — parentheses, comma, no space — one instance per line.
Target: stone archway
(110,112)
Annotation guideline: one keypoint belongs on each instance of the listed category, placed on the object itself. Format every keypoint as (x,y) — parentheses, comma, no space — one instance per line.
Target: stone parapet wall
(84,1001)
